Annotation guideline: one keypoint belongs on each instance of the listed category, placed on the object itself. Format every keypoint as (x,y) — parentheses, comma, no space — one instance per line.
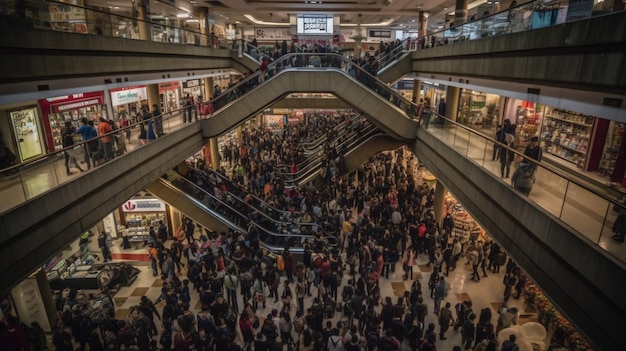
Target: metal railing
(240,216)
(36,176)
(65,17)
(577,204)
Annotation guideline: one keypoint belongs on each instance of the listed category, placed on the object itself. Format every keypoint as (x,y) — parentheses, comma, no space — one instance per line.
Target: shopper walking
(67,135)
(106,142)
(445,320)
(158,120)
(103,243)
(87,132)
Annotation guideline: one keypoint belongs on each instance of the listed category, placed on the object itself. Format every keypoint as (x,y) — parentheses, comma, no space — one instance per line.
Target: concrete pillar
(417,88)
(208,88)
(239,132)
(453,95)
(460,12)
(215,154)
(203,15)
(153,96)
(439,202)
(422,24)
(143,14)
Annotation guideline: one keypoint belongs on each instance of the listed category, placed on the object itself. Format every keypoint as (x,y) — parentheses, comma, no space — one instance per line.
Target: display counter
(93,277)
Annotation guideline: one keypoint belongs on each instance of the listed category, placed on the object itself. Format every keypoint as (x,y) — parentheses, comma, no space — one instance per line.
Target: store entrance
(27,132)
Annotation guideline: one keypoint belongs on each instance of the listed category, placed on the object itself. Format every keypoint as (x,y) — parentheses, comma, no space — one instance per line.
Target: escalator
(384,107)
(38,228)
(343,143)
(233,213)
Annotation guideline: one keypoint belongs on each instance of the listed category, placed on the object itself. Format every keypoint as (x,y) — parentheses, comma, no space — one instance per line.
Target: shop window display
(480,111)
(27,132)
(614,140)
(529,117)
(567,135)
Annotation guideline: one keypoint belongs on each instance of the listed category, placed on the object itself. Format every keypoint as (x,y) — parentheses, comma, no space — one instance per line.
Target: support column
(452,102)
(460,12)
(208,88)
(239,136)
(153,96)
(203,15)
(143,14)
(215,154)
(422,24)
(417,88)
(439,202)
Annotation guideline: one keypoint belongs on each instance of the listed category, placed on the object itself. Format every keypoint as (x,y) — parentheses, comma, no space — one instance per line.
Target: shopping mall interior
(349,93)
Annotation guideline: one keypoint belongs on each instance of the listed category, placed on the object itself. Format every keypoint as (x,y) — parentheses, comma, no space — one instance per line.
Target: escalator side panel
(397,69)
(379,111)
(360,154)
(186,206)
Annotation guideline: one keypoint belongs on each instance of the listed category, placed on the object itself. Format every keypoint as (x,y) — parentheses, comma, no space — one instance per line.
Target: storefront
(56,111)
(405,88)
(141,214)
(480,111)
(433,91)
(169,96)
(612,164)
(193,88)
(581,141)
(129,100)
(528,117)
(222,81)
(27,132)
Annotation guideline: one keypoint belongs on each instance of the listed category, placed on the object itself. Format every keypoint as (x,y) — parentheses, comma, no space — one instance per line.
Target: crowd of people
(330,299)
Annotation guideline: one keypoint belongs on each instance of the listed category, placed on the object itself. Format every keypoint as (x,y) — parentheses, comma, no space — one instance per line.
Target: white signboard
(29,304)
(143,205)
(126,96)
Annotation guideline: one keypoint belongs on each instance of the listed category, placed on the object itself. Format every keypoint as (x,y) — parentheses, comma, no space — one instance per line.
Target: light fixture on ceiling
(182,15)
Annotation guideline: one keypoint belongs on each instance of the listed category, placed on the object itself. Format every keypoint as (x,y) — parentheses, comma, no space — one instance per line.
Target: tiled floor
(486,293)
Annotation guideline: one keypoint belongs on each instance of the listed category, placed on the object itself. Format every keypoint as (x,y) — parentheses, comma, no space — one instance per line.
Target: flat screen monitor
(315,25)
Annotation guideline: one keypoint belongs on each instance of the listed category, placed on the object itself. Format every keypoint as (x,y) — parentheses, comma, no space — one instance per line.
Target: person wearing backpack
(468,331)
(335,341)
(510,344)
(388,342)
(524,177)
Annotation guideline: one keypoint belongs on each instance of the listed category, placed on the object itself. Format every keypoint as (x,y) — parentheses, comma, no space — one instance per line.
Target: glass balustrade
(521,18)
(25,181)
(578,205)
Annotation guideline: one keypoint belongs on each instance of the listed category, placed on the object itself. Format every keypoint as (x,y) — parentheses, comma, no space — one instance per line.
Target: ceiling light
(182,15)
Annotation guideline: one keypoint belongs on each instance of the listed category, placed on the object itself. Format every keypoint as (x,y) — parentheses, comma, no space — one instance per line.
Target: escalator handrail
(246,84)
(262,212)
(243,216)
(370,128)
(295,179)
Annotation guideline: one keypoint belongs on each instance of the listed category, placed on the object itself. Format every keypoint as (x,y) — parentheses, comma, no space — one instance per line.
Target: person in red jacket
(263,68)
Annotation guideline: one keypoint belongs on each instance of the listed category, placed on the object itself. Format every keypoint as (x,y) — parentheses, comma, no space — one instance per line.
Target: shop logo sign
(129,206)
